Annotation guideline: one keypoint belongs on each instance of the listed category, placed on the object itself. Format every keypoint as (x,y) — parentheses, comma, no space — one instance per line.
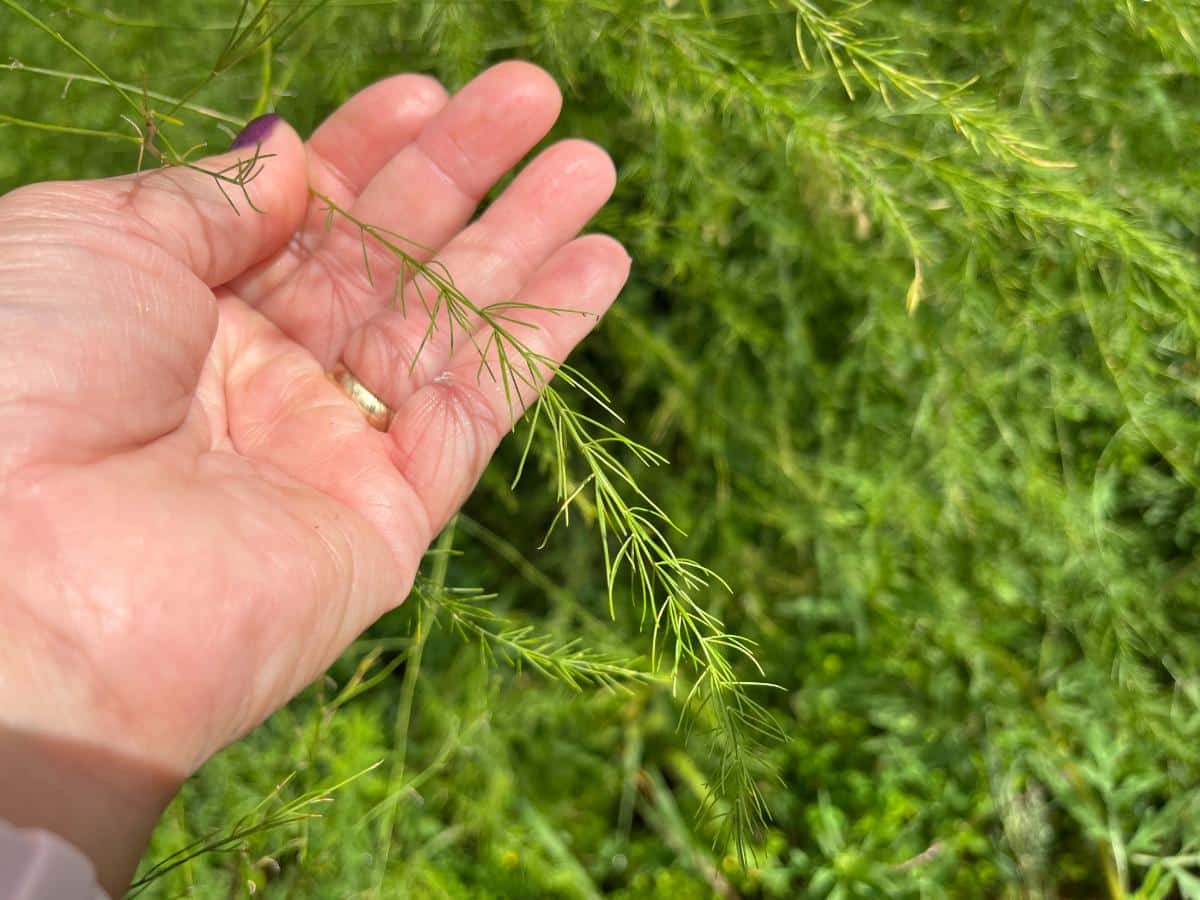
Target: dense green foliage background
(958,513)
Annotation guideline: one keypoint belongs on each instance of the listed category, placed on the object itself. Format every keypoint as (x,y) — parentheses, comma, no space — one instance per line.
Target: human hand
(194,519)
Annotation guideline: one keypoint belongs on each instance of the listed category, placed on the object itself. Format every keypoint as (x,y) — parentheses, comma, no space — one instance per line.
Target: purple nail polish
(255,132)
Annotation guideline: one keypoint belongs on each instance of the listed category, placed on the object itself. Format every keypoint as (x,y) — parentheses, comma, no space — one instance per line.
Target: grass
(913,316)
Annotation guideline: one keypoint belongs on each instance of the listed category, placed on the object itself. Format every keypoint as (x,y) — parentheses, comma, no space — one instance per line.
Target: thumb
(223,214)
(103,336)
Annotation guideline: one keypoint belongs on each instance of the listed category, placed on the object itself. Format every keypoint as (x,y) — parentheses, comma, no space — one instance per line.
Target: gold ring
(378,413)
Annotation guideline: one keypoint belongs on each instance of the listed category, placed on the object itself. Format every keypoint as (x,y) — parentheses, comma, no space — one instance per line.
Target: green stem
(154,95)
(69,129)
(264,93)
(408,690)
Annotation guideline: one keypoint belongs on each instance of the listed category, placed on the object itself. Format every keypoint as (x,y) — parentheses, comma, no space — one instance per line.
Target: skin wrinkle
(290,394)
(328,319)
(338,635)
(402,459)
(217,364)
(171,349)
(18,457)
(76,664)
(34,451)
(250,636)
(271,275)
(197,252)
(384,345)
(461,417)
(443,172)
(357,284)
(150,261)
(107,226)
(63,202)
(344,514)
(74,415)
(58,642)
(344,187)
(240,380)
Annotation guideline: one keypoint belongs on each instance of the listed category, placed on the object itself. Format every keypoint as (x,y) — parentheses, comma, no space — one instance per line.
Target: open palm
(194,520)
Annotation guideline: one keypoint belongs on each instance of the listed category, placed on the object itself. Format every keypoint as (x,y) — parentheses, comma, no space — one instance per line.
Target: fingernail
(255,132)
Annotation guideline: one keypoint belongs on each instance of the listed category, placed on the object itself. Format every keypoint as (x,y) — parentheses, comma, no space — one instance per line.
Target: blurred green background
(914,315)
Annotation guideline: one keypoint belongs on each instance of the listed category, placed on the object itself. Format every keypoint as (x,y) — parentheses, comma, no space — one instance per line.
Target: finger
(427,193)
(395,353)
(443,437)
(345,152)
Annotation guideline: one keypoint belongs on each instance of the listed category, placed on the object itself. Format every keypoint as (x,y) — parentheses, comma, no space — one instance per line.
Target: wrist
(104,804)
